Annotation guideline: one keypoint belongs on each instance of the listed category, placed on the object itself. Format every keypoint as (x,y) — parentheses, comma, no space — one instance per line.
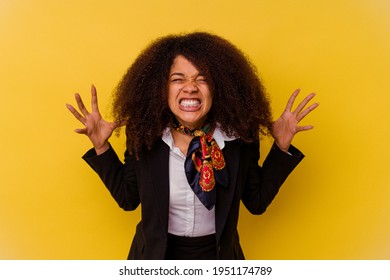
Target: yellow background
(335,205)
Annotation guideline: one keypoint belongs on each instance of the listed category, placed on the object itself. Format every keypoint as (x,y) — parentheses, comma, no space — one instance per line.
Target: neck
(192,131)
(181,140)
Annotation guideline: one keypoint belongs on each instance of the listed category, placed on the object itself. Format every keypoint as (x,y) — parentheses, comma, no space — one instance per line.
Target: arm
(120,179)
(263,183)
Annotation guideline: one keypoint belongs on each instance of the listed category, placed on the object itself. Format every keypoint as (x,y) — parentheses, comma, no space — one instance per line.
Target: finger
(75,113)
(81,130)
(307,111)
(291,101)
(95,107)
(304,128)
(304,103)
(80,104)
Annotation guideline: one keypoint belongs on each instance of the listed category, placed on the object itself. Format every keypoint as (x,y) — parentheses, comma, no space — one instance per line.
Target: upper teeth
(189,102)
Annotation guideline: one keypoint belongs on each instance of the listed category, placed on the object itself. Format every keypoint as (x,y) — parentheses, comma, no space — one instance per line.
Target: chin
(191,121)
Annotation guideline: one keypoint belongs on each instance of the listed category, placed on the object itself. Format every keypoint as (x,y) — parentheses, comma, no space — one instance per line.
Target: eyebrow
(175,73)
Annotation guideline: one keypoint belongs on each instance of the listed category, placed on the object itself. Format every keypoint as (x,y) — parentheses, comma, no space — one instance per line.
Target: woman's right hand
(96,128)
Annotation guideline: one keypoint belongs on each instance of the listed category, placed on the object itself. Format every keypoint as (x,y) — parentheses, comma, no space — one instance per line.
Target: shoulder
(244,146)
(243,151)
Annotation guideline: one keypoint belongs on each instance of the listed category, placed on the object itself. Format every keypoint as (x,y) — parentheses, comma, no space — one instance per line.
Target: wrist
(284,149)
(101,149)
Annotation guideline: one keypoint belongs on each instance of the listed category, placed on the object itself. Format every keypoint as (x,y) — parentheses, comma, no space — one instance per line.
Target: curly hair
(240,105)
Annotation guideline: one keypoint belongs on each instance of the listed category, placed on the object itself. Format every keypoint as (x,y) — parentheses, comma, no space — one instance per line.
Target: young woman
(193,107)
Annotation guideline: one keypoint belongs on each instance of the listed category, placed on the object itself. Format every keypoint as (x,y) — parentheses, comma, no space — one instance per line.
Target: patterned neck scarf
(204,165)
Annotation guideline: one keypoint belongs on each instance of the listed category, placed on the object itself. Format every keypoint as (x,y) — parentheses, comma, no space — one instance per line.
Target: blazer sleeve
(120,179)
(263,183)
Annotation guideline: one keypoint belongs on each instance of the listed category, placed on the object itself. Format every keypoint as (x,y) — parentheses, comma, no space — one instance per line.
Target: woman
(193,107)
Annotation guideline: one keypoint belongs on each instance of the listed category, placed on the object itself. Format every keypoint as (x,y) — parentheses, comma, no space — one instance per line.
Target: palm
(96,128)
(285,128)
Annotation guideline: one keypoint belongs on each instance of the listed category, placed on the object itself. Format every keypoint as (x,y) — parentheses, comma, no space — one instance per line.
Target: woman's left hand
(285,128)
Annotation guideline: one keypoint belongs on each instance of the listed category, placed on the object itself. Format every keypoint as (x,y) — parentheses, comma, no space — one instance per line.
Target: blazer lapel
(231,153)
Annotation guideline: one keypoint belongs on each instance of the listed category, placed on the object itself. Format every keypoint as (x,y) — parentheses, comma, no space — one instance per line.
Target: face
(189,96)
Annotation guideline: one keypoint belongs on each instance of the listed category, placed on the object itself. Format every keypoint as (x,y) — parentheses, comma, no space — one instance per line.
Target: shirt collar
(219,136)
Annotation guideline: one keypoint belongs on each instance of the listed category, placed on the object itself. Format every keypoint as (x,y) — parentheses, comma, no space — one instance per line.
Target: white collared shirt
(187,215)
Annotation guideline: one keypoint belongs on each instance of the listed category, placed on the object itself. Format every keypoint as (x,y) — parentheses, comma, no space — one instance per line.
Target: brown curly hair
(240,104)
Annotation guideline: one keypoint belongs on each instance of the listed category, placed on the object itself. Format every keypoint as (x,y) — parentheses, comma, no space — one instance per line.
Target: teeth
(189,102)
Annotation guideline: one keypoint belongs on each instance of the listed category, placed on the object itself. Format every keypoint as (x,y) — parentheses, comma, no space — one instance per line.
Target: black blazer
(146,181)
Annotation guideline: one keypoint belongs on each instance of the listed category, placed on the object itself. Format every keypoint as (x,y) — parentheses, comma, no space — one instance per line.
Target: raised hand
(285,128)
(96,128)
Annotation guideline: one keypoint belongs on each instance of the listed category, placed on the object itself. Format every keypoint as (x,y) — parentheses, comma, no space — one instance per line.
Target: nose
(190,86)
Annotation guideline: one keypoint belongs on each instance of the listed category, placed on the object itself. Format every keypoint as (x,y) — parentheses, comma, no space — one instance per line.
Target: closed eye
(177,80)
